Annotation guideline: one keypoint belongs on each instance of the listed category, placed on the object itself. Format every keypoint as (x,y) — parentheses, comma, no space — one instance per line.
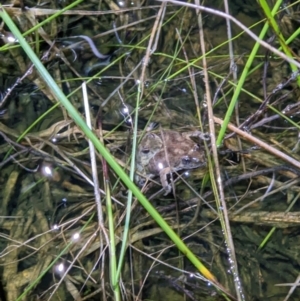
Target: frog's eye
(145,151)
(205,136)
(186,160)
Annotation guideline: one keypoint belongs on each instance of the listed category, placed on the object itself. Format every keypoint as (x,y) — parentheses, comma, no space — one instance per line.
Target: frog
(168,151)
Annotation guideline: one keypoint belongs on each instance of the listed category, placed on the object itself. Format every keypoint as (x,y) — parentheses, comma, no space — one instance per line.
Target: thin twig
(260,143)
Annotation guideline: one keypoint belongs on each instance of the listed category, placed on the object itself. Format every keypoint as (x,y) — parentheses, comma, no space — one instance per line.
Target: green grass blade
(242,79)
(59,95)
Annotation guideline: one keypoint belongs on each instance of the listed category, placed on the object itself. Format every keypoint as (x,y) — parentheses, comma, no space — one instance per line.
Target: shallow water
(46,191)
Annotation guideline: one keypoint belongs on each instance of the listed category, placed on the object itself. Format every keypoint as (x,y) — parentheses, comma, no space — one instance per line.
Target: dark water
(45,192)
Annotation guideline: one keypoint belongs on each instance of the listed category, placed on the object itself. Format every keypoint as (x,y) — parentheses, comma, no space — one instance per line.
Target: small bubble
(160,165)
(121,3)
(55,227)
(47,171)
(76,236)
(60,268)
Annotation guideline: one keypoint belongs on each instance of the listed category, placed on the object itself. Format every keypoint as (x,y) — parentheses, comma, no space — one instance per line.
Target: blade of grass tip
(242,79)
(59,95)
(278,33)
(93,159)
(94,172)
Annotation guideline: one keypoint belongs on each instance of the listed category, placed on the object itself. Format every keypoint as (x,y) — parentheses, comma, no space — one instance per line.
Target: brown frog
(160,154)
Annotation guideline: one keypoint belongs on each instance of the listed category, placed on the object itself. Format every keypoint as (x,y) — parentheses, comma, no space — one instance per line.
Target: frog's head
(149,146)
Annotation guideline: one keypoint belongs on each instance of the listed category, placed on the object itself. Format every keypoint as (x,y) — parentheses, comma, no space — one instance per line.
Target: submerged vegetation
(206,208)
